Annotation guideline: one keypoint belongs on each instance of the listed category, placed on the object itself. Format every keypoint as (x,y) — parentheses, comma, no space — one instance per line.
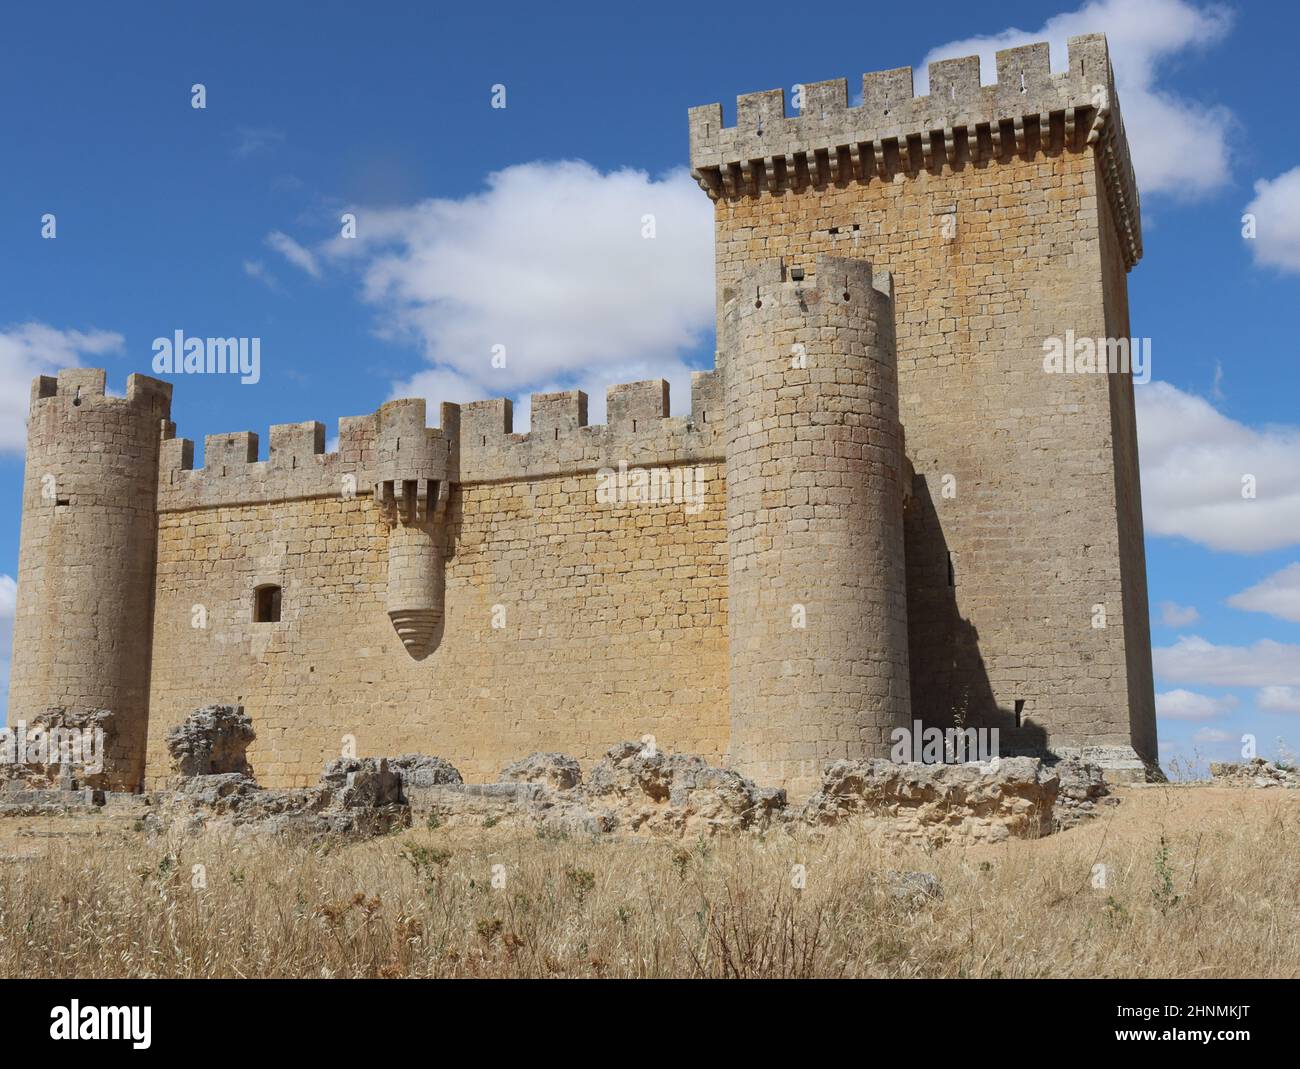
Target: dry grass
(1220,897)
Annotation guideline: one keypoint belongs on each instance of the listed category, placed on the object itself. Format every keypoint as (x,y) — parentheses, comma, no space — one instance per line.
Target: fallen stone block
(556,770)
(937,803)
(211,741)
(913,888)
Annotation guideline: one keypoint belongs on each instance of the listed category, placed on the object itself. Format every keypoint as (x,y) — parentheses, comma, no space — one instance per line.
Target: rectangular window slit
(266,604)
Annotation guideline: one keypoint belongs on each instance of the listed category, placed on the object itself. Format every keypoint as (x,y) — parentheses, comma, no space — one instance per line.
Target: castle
(902,514)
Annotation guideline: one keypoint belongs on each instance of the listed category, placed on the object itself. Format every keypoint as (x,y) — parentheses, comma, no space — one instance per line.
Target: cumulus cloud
(295,253)
(1278,595)
(1189,705)
(36,349)
(1194,660)
(548,269)
(1174,615)
(1276,208)
(1212,736)
(1179,145)
(1194,461)
(1278,699)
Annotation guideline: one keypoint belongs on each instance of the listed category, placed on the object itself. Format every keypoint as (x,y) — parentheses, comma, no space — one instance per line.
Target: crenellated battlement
(894,131)
(475,443)
(80,385)
(638,431)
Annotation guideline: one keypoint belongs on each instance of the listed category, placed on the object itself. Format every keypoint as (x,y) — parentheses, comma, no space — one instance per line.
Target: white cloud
(36,349)
(1212,736)
(1278,595)
(256,269)
(548,261)
(300,257)
(1194,459)
(1188,705)
(1278,700)
(1174,615)
(252,139)
(1276,209)
(1194,660)
(1179,145)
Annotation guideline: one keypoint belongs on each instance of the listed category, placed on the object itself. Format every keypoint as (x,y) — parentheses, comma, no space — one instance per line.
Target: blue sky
(480,226)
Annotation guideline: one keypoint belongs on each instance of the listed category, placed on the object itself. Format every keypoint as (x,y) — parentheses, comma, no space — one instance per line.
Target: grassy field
(1198,882)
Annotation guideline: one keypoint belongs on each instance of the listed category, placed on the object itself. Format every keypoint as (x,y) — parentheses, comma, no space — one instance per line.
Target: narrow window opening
(266,607)
(1020,712)
(952,572)
(408,493)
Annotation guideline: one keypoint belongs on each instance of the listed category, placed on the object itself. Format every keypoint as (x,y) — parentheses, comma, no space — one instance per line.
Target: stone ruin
(1256,773)
(55,762)
(212,741)
(633,790)
(639,792)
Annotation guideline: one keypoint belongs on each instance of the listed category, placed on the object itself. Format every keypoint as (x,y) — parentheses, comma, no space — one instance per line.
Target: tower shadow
(950,685)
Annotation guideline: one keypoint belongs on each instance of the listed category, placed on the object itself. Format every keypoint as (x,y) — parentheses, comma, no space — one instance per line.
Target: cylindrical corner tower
(412,492)
(818,605)
(83,626)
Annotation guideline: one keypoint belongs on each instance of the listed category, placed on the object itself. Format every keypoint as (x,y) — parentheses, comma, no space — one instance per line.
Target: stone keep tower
(83,624)
(817,600)
(1007,215)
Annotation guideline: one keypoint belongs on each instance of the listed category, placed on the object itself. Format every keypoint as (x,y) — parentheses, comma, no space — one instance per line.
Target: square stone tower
(1008,217)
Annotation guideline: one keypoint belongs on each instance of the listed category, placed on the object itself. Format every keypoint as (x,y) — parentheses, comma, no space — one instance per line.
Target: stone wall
(614,626)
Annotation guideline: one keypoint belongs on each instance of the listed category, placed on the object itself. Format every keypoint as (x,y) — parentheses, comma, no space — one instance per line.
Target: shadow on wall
(950,682)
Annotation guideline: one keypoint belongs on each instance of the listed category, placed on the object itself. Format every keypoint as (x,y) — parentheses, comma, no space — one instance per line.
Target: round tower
(817,604)
(412,491)
(84,621)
